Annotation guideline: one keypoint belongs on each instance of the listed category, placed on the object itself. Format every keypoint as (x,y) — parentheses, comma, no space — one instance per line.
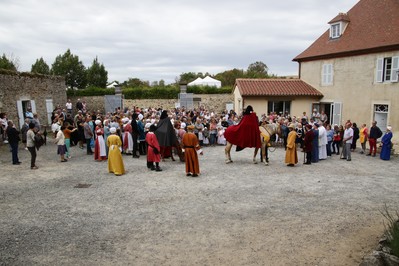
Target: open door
(21,117)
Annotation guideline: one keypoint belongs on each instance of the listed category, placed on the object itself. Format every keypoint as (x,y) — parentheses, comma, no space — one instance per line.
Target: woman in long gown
(100,152)
(115,161)
(191,146)
(386,145)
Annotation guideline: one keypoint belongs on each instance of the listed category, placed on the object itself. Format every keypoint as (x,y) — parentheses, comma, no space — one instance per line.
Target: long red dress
(100,153)
(190,145)
(246,134)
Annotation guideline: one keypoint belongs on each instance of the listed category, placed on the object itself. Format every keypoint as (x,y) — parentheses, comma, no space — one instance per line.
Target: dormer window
(338,25)
(335,30)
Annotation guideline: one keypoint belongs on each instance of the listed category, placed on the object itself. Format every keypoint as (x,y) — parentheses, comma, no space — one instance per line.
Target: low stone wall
(214,102)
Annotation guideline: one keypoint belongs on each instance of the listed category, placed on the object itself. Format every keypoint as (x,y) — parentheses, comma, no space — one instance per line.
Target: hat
(112,130)
(291,126)
(183,125)
(125,120)
(316,124)
(140,117)
(389,128)
(153,128)
(147,126)
(98,122)
(190,127)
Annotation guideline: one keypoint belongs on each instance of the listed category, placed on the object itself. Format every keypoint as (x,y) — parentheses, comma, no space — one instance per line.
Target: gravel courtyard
(237,214)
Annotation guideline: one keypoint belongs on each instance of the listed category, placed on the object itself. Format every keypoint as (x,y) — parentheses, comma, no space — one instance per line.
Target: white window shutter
(380,70)
(33,106)
(337,114)
(395,69)
(330,74)
(21,117)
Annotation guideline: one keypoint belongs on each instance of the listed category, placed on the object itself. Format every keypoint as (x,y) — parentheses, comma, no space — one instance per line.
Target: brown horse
(266,132)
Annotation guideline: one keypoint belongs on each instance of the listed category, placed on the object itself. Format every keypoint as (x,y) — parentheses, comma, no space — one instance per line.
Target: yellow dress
(115,161)
(291,156)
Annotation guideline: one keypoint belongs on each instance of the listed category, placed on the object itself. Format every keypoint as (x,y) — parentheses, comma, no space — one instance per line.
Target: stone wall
(16,87)
(215,102)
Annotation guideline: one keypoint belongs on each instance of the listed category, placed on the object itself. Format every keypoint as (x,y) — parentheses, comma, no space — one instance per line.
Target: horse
(266,131)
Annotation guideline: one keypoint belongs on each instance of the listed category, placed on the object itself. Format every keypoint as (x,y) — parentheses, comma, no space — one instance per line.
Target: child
(153,152)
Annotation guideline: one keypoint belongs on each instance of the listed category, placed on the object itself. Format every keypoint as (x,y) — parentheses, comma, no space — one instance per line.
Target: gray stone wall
(214,102)
(16,86)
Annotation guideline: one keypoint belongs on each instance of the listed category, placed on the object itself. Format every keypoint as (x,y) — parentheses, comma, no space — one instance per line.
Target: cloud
(154,40)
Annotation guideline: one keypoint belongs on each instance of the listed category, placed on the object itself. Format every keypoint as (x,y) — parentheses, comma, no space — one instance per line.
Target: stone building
(41,93)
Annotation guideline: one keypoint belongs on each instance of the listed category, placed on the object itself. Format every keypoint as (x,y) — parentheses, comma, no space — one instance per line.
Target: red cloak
(246,134)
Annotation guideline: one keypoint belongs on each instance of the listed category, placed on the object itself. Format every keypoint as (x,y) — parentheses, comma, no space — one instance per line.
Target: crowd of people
(160,134)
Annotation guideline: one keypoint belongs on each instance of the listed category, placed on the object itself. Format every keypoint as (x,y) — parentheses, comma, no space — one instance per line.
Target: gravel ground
(236,214)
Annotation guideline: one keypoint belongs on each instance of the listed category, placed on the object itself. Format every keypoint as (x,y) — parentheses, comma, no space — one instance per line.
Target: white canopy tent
(207,81)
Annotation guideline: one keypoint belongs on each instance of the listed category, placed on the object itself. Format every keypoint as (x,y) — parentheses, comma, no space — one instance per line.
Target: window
(335,31)
(327,75)
(280,107)
(387,69)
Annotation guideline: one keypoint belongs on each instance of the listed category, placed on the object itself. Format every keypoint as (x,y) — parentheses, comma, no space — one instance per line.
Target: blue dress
(386,146)
(315,146)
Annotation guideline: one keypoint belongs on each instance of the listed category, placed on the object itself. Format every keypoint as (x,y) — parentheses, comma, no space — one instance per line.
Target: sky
(157,40)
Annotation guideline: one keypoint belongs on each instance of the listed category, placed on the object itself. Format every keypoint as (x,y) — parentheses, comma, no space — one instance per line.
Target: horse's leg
(227,150)
(264,153)
(255,153)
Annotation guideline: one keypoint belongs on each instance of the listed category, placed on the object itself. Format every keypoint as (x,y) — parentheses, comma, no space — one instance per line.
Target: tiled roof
(275,87)
(373,26)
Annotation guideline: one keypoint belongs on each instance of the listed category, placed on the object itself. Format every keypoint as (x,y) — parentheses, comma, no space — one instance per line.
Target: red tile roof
(275,87)
(373,27)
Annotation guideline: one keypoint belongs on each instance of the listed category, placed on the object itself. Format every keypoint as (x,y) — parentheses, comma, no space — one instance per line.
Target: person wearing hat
(307,143)
(141,135)
(291,156)
(153,150)
(386,145)
(115,161)
(127,136)
(192,148)
(100,152)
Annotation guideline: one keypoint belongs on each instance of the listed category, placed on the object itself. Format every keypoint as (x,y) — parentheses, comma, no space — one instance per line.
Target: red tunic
(246,134)
(152,141)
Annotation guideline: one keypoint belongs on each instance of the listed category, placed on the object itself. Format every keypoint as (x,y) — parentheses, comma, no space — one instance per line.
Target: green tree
(135,83)
(228,77)
(257,70)
(6,63)
(41,67)
(188,77)
(69,66)
(97,76)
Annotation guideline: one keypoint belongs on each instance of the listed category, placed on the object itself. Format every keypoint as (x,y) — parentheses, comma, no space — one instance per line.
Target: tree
(135,83)
(69,66)
(257,70)
(228,77)
(9,64)
(97,76)
(41,67)
(188,77)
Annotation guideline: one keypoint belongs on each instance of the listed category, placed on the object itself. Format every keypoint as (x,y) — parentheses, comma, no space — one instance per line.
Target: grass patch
(391,224)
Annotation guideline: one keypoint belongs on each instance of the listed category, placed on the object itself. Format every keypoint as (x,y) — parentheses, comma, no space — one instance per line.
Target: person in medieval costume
(192,148)
(322,141)
(153,151)
(386,145)
(291,156)
(315,144)
(166,135)
(245,134)
(127,136)
(115,161)
(100,152)
(307,143)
